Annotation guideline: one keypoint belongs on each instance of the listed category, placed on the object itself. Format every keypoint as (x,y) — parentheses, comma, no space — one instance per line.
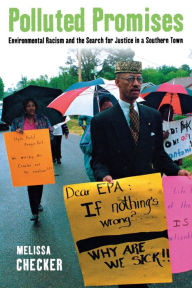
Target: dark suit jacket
(114,149)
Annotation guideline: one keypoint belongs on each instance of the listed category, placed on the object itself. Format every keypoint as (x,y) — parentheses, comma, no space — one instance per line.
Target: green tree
(186,68)
(163,74)
(1,89)
(22,83)
(112,57)
(99,62)
(9,91)
(152,75)
(89,62)
(107,71)
(116,55)
(171,75)
(66,77)
(182,73)
(42,81)
(166,69)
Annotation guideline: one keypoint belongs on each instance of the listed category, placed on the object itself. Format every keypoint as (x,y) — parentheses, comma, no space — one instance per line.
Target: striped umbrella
(82,98)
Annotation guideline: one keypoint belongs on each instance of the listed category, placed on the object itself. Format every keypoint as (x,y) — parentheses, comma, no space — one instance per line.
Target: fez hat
(129,67)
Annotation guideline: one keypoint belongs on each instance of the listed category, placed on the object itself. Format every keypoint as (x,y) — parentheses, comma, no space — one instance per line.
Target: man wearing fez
(127,139)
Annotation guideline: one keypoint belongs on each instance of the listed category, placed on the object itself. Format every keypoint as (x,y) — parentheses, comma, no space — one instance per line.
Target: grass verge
(187,163)
(74,127)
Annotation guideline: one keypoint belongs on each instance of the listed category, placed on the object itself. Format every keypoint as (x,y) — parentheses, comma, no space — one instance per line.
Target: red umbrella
(176,95)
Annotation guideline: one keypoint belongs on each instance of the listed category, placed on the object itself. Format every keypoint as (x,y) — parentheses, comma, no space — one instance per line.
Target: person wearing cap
(127,139)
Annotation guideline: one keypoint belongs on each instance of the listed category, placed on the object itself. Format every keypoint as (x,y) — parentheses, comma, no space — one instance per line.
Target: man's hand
(19,130)
(108,179)
(66,136)
(184,173)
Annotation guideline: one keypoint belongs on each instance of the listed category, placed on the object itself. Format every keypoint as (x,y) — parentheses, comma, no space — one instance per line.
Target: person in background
(30,121)
(84,121)
(86,144)
(167,113)
(58,132)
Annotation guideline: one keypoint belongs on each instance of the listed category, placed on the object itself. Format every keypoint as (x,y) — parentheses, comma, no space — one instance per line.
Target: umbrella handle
(97,96)
(170,107)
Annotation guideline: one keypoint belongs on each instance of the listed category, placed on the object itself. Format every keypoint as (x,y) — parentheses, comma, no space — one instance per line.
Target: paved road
(53,229)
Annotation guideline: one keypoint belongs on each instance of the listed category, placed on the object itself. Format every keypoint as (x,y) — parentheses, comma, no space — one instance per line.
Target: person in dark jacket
(29,121)
(127,139)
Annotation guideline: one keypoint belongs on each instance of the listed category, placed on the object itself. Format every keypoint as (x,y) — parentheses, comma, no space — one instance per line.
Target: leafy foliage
(1,89)
(165,73)
(97,63)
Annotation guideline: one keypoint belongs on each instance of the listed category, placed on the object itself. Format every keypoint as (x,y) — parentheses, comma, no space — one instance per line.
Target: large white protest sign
(179,143)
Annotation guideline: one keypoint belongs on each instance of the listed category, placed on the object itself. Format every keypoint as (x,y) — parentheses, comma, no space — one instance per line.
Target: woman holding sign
(30,121)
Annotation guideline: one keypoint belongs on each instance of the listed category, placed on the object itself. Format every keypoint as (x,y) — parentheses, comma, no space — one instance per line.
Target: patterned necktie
(134,123)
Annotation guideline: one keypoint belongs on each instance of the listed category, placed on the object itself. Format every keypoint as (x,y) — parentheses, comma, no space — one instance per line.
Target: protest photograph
(95,144)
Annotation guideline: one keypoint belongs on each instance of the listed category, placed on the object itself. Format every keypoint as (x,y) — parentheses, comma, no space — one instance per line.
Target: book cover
(40,41)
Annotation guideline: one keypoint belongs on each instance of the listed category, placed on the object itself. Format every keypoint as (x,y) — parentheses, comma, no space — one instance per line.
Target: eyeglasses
(131,79)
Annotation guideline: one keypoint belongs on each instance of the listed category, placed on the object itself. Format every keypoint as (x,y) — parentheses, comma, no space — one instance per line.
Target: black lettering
(156,258)
(99,187)
(117,186)
(134,248)
(167,144)
(94,255)
(69,191)
(115,264)
(109,186)
(106,222)
(88,209)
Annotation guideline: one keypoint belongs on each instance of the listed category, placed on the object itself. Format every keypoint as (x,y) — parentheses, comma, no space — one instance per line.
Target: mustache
(135,88)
